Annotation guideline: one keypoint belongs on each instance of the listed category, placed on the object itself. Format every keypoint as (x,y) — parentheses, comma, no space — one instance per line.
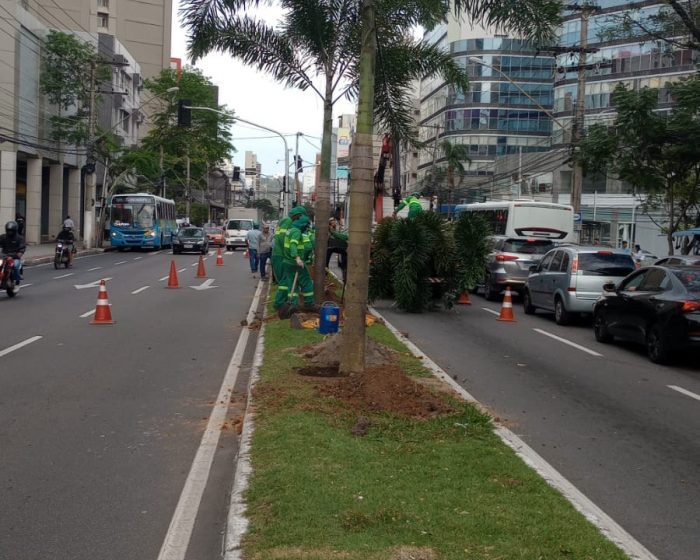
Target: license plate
(188,245)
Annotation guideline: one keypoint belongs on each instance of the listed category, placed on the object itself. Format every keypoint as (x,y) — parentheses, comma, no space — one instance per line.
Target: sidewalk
(44,252)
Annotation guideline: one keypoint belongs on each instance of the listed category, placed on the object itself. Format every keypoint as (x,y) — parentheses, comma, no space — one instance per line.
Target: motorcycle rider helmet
(11,228)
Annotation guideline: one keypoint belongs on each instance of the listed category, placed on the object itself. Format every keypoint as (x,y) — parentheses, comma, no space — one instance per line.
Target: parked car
(569,279)
(658,306)
(190,239)
(509,263)
(215,235)
(683,260)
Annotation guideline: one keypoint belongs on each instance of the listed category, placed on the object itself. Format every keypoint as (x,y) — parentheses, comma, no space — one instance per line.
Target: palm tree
(454,155)
(322,38)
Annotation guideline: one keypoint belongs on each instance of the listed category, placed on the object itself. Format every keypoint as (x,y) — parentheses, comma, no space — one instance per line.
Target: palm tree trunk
(322,207)
(352,348)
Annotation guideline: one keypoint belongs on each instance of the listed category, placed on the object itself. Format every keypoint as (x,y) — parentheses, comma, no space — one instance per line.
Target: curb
(30,261)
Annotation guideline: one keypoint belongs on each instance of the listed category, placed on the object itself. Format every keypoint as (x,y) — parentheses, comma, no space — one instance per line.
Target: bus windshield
(135,215)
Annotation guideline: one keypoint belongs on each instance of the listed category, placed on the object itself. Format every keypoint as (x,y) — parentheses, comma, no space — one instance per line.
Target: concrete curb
(31,261)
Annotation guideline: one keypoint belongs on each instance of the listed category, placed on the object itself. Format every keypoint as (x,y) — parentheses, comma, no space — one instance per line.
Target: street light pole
(286,149)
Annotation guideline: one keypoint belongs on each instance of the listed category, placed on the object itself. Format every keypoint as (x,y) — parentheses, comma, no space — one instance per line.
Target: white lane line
(64,276)
(19,345)
(164,278)
(182,270)
(154,253)
(228,253)
(179,533)
(25,285)
(194,264)
(684,391)
(96,268)
(140,290)
(87,314)
(490,310)
(137,258)
(606,524)
(572,344)
(120,262)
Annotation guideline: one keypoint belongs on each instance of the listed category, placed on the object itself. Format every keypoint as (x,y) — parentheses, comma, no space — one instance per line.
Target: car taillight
(690,306)
(574,266)
(502,258)
(606,253)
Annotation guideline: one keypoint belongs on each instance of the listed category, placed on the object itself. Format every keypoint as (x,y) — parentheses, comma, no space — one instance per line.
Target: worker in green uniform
(278,243)
(413,203)
(297,246)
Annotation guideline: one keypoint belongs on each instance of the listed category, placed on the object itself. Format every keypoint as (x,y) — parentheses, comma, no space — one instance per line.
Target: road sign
(578,218)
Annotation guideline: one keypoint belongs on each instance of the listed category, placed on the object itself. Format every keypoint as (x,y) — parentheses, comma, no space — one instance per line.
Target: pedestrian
(69,223)
(264,250)
(278,244)
(338,244)
(413,203)
(252,241)
(20,223)
(625,247)
(297,246)
(638,256)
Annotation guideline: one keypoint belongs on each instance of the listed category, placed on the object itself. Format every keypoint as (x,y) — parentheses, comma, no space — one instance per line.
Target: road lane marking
(182,270)
(572,344)
(206,285)
(154,253)
(64,276)
(140,290)
(87,314)
(490,310)
(25,285)
(228,253)
(606,524)
(137,258)
(91,284)
(19,345)
(164,278)
(194,264)
(96,268)
(684,391)
(120,262)
(179,533)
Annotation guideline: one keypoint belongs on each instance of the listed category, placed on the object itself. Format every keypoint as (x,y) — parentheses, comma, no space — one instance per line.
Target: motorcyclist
(67,237)
(12,245)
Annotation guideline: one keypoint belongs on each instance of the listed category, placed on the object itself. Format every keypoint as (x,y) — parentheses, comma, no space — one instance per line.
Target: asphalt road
(99,425)
(625,431)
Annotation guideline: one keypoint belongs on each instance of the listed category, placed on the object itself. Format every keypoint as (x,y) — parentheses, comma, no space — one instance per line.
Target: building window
(103,4)
(103,21)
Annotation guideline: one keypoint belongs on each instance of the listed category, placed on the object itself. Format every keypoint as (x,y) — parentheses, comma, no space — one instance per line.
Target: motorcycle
(7,279)
(62,255)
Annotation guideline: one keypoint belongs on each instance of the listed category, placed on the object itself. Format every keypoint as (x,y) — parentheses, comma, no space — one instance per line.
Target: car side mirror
(609,287)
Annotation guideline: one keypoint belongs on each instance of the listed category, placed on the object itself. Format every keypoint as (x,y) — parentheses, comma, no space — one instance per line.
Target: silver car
(569,279)
(510,261)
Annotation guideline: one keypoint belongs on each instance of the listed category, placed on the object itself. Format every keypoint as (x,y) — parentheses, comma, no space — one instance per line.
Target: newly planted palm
(456,155)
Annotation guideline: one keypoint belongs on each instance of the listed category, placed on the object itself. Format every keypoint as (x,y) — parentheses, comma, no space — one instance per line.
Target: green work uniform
(414,206)
(278,247)
(296,244)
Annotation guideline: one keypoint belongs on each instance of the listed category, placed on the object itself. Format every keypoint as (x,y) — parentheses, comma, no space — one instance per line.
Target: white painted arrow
(206,285)
(91,284)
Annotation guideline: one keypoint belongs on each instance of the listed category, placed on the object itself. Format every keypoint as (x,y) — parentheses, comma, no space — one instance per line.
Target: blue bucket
(330,318)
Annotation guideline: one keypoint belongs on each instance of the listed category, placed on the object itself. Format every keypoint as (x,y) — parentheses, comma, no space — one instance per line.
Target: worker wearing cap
(297,246)
(278,243)
(413,203)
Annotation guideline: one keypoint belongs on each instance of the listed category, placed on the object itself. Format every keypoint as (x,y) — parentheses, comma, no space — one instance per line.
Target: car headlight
(149,233)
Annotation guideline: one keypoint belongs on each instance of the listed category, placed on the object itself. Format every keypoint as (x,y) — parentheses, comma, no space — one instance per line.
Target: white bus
(525,218)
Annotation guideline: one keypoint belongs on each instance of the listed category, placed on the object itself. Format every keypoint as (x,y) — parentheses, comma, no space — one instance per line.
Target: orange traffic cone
(103,314)
(201,273)
(172,279)
(463,298)
(507,308)
(219,258)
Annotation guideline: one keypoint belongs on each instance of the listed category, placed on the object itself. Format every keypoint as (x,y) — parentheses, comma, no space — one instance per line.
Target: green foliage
(199,213)
(71,68)
(380,269)
(472,245)
(268,209)
(411,244)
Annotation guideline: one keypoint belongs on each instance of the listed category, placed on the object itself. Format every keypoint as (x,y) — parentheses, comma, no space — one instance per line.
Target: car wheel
(489,292)
(528,308)
(600,328)
(561,315)
(658,346)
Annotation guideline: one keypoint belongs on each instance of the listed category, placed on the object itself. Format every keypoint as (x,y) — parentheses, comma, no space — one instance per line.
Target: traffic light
(236,173)
(184,113)
(300,164)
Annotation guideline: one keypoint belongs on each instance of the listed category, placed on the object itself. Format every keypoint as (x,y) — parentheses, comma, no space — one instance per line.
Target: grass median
(351,469)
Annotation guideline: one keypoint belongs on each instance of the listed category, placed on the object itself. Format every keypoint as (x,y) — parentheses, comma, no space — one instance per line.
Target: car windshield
(240,224)
(605,263)
(527,246)
(689,278)
(191,232)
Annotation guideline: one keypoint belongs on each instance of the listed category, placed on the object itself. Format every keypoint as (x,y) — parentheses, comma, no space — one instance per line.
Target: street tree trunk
(322,208)
(352,349)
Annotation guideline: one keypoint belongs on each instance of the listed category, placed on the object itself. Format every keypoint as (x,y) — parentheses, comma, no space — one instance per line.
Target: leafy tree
(655,152)
(454,155)
(472,246)
(71,70)
(268,209)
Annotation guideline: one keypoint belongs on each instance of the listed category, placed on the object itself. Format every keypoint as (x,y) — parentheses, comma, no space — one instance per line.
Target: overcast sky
(257,98)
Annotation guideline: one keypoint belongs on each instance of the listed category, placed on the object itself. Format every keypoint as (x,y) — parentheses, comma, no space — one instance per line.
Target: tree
(268,209)
(321,38)
(654,151)
(454,155)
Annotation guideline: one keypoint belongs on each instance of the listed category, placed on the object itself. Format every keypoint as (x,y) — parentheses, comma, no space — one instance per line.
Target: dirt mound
(327,353)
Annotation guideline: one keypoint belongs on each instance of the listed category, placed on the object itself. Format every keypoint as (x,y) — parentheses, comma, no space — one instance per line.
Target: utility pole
(187,190)
(90,171)
(297,190)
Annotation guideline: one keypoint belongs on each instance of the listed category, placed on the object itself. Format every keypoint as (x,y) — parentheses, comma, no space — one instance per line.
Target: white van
(236,231)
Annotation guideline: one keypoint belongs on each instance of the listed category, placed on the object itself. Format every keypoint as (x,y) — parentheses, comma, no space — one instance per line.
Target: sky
(257,98)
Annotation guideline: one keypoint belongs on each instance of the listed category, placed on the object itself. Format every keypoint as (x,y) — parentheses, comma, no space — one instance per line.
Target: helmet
(66,227)
(11,227)
(303,222)
(297,211)
(417,194)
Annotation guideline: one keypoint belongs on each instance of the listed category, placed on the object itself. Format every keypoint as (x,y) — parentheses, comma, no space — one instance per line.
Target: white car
(236,231)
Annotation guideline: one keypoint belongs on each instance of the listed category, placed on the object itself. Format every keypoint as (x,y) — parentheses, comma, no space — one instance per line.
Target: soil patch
(327,353)
(319,371)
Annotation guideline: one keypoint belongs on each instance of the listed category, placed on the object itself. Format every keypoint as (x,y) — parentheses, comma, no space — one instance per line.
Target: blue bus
(141,221)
